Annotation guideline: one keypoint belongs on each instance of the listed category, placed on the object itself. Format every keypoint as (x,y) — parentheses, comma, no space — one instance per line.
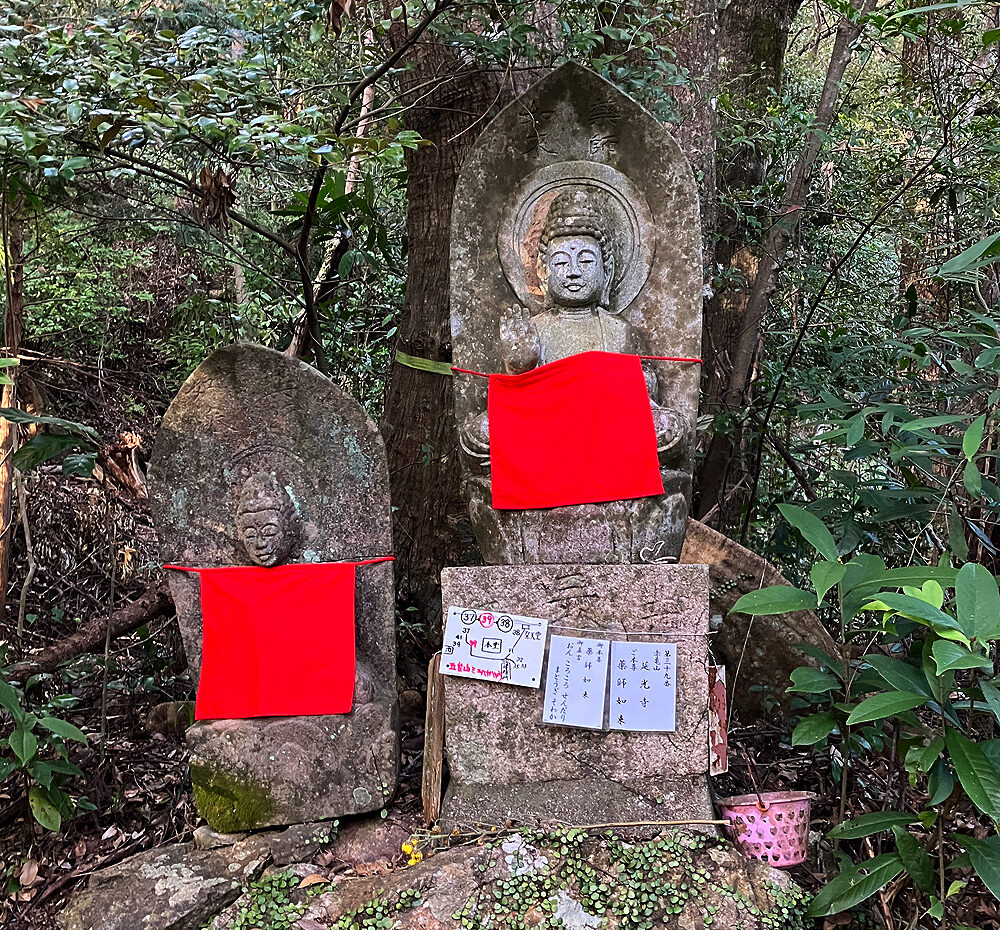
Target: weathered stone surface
(298,843)
(759,652)
(207,838)
(172,888)
(506,765)
(689,882)
(274,770)
(371,840)
(181,887)
(573,166)
(262,460)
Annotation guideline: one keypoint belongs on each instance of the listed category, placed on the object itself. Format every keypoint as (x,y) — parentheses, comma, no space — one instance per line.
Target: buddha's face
(264,536)
(576,271)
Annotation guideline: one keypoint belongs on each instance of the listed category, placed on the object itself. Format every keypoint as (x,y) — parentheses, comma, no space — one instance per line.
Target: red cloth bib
(276,642)
(576,431)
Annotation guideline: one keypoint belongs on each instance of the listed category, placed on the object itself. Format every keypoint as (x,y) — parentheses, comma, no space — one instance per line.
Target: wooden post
(433,741)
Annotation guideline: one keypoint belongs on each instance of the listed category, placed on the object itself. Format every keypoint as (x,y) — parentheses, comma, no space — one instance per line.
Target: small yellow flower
(413,860)
(417,855)
(407,848)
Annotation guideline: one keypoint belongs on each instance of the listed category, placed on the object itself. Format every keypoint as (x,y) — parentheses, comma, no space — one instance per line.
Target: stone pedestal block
(505,764)
(270,771)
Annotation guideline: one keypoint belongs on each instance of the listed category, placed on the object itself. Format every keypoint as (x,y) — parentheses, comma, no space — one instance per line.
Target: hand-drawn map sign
(493,646)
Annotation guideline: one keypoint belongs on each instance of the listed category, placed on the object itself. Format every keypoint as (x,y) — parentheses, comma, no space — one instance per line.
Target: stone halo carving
(269,458)
(524,216)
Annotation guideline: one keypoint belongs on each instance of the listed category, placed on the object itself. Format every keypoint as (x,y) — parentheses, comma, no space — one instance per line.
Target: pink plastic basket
(775,831)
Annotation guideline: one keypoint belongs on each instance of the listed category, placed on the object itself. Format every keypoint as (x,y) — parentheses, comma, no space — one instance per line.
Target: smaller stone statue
(265,520)
(261,461)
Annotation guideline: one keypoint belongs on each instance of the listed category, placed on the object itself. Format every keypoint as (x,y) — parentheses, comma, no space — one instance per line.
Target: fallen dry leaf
(532,917)
(313,879)
(28,874)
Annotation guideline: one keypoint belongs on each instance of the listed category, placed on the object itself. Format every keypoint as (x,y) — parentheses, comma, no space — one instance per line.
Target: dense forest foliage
(177,176)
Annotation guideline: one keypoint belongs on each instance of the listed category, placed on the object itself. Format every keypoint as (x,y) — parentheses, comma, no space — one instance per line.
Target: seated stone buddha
(577,268)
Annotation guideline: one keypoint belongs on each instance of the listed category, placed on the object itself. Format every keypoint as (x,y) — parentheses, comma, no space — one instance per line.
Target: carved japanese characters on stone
(506,764)
(570,247)
(262,461)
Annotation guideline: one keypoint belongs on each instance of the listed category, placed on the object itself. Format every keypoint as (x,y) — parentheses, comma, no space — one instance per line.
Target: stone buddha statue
(269,531)
(577,269)
(265,521)
(262,463)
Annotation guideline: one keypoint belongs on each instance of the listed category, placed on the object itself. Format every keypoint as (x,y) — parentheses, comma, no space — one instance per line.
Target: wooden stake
(433,741)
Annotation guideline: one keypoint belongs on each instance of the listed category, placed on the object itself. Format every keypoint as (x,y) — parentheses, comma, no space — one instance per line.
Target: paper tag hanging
(718,743)
(643,686)
(493,646)
(576,682)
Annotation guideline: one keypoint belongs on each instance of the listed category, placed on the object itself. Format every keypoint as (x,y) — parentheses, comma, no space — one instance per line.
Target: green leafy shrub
(37,750)
(928,689)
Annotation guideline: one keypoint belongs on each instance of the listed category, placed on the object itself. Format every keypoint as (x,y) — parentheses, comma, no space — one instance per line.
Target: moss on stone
(230,804)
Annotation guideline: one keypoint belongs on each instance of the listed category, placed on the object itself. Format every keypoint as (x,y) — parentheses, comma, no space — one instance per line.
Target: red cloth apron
(575,431)
(276,642)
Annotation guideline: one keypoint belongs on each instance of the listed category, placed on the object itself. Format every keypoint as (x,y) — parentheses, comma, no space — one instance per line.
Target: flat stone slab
(506,765)
(685,882)
(176,888)
(182,887)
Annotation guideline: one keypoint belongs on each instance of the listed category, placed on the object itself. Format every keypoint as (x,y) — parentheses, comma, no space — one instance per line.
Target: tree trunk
(752,42)
(12,232)
(452,102)
(334,250)
(696,48)
(734,329)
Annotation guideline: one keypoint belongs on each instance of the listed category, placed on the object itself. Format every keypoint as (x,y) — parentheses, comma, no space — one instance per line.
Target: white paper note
(493,646)
(643,686)
(576,682)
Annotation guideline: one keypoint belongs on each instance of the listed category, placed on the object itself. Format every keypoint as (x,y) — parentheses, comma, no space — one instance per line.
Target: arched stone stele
(262,460)
(575,135)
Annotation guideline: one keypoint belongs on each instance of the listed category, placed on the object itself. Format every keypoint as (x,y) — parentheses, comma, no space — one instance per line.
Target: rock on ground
(528,881)
(182,887)
(682,881)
